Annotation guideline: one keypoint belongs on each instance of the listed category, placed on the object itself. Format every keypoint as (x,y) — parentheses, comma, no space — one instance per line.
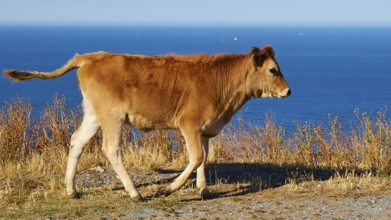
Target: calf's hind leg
(79,139)
(111,147)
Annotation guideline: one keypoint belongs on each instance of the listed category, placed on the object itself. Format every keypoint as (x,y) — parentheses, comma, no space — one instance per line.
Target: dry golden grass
(33,153)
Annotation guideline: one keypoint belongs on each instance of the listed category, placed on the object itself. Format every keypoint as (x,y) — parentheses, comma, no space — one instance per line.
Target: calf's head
(265,78)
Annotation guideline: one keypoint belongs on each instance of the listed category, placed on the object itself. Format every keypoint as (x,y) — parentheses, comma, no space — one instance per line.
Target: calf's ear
(257,56)
(255,51)
(268,51)
(260,55)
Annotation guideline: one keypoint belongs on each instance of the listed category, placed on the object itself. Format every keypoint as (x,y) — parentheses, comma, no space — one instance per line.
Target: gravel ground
(245,192)
(256,207)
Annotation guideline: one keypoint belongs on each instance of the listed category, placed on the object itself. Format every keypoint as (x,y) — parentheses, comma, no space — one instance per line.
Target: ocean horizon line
(191,24)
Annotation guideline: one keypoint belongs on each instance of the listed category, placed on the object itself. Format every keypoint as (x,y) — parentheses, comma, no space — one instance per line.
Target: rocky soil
(245,191)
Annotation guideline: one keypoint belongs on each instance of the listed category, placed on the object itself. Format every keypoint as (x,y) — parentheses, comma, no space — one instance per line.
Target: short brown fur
(197,94)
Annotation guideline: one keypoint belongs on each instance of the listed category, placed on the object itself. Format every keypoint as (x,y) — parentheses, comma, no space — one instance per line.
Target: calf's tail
(20,76)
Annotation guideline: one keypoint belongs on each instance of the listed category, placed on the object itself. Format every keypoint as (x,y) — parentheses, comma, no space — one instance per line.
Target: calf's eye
(273,70)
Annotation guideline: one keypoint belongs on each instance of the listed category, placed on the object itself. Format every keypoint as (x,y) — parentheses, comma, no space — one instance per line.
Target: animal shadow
(255,177)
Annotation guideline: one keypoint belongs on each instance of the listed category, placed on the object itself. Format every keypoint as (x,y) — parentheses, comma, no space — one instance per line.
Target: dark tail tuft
(18,75)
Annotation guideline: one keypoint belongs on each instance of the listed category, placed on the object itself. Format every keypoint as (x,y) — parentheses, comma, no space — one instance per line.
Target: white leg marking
(80,138)
(111,147)
(201,179)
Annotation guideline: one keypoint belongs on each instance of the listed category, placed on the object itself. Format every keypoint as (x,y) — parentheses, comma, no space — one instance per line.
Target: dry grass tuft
(344,185)
(15,121)
(366,146)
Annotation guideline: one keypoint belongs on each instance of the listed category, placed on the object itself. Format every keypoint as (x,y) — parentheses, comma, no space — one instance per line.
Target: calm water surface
(331,70)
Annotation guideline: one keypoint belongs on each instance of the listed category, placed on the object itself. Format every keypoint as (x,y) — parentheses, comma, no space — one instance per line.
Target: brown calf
(197,94)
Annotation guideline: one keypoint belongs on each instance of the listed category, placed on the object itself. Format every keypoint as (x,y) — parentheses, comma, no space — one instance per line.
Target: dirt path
(251,192)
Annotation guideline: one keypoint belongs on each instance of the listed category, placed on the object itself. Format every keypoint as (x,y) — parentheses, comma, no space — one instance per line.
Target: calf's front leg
(201,178)
(194,148)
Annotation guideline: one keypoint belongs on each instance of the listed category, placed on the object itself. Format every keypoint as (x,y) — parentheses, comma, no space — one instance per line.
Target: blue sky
(149,12)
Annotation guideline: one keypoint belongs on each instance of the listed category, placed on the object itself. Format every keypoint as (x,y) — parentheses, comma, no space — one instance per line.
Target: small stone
(97,169)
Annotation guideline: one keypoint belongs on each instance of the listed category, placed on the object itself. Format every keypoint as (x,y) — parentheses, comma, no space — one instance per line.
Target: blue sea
(331,70)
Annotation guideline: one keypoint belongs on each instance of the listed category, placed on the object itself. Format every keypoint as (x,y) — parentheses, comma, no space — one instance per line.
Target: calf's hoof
(74,195)
(167,190)
(137,198)
(163,190)
(206,194)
